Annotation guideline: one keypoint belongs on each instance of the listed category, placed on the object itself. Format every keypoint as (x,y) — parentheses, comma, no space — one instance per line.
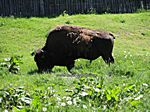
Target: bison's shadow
(32,72)
(35,71)
(77,75)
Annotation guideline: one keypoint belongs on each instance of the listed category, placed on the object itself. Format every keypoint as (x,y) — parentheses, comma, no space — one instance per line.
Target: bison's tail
(112,35)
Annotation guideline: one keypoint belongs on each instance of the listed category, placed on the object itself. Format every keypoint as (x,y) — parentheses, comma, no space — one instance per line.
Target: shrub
(11,64)
(11,97)
(93,93)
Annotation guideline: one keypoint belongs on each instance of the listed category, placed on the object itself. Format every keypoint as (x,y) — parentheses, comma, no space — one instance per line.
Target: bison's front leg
(46,69)
(108,59)
(70,65)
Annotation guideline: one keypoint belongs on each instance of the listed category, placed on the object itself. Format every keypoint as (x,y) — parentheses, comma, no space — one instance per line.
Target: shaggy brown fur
(67,43)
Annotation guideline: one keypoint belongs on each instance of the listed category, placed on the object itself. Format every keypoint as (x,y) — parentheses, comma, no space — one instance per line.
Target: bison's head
(41,61)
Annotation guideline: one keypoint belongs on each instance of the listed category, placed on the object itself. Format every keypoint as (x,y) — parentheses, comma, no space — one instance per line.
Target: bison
(65,44)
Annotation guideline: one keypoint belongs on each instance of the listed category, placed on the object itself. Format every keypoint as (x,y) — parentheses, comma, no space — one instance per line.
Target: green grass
(20,36)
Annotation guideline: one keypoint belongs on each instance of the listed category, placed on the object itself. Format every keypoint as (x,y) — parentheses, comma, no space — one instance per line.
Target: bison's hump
(82,33)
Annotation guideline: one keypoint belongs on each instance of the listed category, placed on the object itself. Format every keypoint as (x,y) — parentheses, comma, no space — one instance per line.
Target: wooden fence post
(42,8)
(142,5)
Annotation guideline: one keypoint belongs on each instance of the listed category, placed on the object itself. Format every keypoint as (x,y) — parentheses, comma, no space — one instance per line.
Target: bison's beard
(44,67)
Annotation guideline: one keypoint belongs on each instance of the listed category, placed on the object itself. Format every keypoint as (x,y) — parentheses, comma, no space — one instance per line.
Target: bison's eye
(42,57)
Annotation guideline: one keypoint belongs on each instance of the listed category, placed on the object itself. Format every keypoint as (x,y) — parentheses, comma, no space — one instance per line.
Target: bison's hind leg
(91,61)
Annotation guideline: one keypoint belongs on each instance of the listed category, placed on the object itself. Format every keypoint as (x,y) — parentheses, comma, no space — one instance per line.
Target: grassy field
(124,86)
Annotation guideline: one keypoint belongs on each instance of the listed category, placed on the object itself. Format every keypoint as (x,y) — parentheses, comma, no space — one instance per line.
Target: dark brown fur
(65,44)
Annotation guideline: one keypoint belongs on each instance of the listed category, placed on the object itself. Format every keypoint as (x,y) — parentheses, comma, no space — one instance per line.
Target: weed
(92,11)
(64,13)
(68,22)
(122,21)
(12,64)
(92,93)
(11,97)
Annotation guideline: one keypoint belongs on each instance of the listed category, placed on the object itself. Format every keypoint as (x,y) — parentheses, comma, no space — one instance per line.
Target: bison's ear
(33,53)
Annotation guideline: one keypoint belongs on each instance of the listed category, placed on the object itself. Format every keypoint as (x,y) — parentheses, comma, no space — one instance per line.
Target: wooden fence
(27,8)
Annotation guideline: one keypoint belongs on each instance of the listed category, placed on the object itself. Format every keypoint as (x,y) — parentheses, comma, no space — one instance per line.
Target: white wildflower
(76,100)
(3,64)
(7,59)
(64,97)
(55,95)
(58,99)
(49,88)
(69,102)
(84,106)
(68,98)
(86,87)
(144,84)
(139,97)
(127,98)
(97,90)
(83,94)
(104,107)
(63,104)
(5,110)
(44,109)
(132,62)
(67,90)
(0,100)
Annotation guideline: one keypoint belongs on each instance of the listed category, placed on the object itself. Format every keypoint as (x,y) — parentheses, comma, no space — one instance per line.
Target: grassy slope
(131,51)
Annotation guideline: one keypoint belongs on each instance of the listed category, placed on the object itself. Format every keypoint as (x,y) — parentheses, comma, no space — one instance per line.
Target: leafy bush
(14,97)
(92,11)
(88,93)
(64,13)
(124,67)
(11,64)
(92,93)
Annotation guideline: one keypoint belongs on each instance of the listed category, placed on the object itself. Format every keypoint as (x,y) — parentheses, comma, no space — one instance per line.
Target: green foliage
(64,13)
(12,97)
(92,11)
(88,93)
(125,66)
(12,64)
(93,93)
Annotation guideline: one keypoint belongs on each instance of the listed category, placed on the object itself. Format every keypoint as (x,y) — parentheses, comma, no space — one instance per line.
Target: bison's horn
(42,51)
(112,35)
